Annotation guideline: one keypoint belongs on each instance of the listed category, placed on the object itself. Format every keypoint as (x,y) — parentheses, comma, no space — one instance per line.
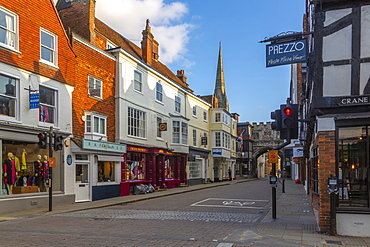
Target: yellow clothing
(24,162)
(17,164)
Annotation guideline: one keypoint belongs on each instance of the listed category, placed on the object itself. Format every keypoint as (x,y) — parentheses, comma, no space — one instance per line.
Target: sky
(189,33)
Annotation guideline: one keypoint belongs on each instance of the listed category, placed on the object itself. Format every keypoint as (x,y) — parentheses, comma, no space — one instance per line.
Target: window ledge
(10,48)
(159,102)
(107,183)
(48,64)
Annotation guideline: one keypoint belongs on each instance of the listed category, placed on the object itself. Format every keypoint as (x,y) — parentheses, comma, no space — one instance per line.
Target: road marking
(231,203)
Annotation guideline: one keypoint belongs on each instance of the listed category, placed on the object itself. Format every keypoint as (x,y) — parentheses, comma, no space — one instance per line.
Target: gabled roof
(134,50)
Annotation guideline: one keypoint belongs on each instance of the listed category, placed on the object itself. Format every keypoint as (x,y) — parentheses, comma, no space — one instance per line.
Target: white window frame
(195,139)
(195,111)
(53,50)
(159,92)
(217,117)
(177,104)
(14,98)
(179,132)
(93,122)
(110,45)
(222,139)
(95,83)
(159,133)
(43,106)
(205,116)
(136,124)
(12,34)
(138,82)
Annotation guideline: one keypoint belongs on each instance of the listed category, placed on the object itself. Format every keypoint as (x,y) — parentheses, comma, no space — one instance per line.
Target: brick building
(37,71)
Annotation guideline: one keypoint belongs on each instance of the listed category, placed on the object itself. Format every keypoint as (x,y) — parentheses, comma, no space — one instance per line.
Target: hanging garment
(9,169)
(24,161)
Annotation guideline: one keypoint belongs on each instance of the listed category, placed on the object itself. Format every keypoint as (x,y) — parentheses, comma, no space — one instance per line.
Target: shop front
(198,166)
(27,172)
(157,167)
(97,168)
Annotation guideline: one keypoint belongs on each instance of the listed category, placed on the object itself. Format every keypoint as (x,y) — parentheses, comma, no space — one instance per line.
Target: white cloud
(128,17)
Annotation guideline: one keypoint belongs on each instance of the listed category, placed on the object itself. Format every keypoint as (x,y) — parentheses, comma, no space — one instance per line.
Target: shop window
(47,106)
(48,47)
(169,167)
(95,87)
(25,169)
(315,177)
(8,29)
(105,171)
(8,96)
(195,169)
(136,123)
(138,81)
(135,167)
(353,166)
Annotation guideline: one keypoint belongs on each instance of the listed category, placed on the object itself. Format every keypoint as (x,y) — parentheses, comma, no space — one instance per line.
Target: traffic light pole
(50,169)
(273,189)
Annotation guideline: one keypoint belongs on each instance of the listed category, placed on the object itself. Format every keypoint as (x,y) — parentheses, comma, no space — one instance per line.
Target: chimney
(79,17)
(149,46)
(181,75)
(214,101)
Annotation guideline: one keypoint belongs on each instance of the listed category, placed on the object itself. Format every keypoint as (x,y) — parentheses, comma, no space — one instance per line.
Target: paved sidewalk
(295,224)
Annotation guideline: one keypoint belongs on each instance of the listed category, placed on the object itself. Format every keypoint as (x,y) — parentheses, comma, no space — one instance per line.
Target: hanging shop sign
(163,127)
(34,100)
(286,53)
(216,151)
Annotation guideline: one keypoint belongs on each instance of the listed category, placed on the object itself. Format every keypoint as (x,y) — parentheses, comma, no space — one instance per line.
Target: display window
(105,171)
(25,168)
(353,166)
(169,167)
(135,167)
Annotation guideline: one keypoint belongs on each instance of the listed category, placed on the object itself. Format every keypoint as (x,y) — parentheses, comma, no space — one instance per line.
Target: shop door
(82,183)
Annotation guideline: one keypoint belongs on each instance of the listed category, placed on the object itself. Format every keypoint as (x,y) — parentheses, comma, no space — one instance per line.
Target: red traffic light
(42,136)
(288,111)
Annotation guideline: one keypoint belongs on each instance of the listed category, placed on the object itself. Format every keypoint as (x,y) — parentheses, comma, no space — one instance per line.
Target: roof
(134,50)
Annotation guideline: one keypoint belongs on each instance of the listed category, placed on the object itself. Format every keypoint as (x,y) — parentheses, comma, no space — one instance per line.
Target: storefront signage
(34,100)
(103,146)
(286,53)
(216,151)
(164,152)
(52,162)
(350,101)
(137,149)
(204,140)
(163,127)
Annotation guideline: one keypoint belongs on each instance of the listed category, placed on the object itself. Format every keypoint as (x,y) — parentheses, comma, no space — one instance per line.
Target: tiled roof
(134,50)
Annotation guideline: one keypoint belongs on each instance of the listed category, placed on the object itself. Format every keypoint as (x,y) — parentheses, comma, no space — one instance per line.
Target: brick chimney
(79,17)
(181,75)
(149,46)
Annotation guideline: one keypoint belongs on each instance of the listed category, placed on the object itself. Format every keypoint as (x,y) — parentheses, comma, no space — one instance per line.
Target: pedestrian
(230,177)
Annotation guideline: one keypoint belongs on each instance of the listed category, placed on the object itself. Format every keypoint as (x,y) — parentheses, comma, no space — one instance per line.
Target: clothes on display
(9,172)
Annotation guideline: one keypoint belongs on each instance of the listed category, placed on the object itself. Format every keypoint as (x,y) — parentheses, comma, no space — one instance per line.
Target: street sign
(273,156)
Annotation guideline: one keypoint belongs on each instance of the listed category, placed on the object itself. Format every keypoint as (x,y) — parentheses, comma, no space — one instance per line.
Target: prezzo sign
(286,53)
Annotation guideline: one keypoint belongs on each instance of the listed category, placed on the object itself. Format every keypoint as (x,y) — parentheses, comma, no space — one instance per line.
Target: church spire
(220,89)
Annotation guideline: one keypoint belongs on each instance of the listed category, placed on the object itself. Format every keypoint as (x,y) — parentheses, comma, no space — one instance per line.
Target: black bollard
(283,186)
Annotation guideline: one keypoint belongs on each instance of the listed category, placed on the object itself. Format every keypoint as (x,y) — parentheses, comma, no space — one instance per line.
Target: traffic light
(43,140)
(289,119)
(58,142)
(276,115)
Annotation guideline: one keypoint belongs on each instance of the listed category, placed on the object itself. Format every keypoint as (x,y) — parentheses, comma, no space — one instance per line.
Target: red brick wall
(32,16)
(326,145)
(91,62)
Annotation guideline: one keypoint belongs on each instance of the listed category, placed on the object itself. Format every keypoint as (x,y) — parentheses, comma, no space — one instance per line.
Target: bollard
(283,186)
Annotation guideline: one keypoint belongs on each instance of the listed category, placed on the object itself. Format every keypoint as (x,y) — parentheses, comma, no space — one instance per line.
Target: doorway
(82,183)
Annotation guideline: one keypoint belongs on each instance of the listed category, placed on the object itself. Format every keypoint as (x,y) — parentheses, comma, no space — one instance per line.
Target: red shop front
(159,167)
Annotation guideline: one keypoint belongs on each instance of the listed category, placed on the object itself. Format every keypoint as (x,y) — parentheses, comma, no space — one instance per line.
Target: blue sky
(189,33)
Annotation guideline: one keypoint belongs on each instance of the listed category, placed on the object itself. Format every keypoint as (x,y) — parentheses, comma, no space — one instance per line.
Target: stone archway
(263,150)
